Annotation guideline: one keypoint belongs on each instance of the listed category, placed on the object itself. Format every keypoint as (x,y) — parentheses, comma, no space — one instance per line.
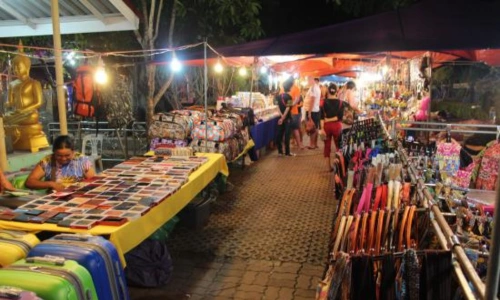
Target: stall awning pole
(56,35)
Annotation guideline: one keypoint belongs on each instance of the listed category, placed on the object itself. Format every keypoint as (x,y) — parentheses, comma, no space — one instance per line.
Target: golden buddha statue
(25,97)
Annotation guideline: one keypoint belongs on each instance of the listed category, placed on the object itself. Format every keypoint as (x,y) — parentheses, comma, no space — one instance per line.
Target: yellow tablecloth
(131,234)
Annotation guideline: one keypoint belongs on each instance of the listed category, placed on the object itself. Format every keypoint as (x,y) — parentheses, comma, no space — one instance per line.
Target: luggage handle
(73,237)
(47,259)
(9,292)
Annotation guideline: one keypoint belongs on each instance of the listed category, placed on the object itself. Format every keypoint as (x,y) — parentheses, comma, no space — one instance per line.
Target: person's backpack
(85,93)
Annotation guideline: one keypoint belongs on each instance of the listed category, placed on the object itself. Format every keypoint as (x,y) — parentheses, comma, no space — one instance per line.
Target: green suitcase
(50,277)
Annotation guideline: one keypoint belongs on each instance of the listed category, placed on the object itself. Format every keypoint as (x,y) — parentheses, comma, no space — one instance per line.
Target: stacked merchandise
(118,195)
(174,128)
(381,235)
(263,107)
(362,132)
(266,114)
(222,133)
(448,162)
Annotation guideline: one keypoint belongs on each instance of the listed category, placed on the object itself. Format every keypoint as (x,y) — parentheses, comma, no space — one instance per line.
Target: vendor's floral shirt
(72,172)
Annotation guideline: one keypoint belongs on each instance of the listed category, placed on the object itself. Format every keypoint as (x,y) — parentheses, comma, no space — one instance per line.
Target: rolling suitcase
(96,254)
(11,293)
(50,277)
(15,245)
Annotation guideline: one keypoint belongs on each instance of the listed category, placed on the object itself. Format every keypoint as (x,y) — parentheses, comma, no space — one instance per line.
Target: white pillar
(56,35)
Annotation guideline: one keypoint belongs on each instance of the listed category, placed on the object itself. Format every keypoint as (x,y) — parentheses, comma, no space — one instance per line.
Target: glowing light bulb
(101,77)
(175,65)
(218,68)
(242,71)
(263,70)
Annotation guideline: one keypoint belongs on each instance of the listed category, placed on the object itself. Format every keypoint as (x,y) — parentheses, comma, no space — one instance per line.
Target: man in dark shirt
(285,103)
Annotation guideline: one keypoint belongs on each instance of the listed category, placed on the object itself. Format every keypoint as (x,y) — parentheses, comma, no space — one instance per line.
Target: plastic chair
(96,149)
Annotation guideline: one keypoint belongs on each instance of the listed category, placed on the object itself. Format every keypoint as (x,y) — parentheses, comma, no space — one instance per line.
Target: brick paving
(267,238)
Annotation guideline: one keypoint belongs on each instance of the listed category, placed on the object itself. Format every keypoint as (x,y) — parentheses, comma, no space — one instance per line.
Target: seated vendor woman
(61,168)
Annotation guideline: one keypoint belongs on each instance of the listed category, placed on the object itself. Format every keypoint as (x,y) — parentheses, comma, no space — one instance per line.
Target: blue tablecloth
(263,133)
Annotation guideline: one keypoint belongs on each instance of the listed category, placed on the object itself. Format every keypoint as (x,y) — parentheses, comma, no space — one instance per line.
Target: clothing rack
(446,236)
(448,127)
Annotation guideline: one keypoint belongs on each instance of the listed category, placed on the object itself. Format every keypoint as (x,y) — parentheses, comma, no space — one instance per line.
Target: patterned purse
(169,126)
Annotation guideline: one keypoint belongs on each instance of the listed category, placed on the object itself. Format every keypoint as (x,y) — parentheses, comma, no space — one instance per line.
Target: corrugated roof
(33,17)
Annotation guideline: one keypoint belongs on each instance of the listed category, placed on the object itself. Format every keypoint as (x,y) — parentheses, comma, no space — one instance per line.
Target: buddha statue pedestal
(27,137)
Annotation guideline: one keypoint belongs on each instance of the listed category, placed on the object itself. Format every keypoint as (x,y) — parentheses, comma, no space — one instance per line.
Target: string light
(242,71)
(100,76)
(218,68)
(175,65)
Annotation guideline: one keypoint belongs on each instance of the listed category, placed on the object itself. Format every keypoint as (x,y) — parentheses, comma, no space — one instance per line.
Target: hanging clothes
(411,276)
(362,278)
(488,170)
(436,276)
(387,281)
(448,158)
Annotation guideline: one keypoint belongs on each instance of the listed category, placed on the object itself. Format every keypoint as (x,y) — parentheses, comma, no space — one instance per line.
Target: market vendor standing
(312,109)
(61,168)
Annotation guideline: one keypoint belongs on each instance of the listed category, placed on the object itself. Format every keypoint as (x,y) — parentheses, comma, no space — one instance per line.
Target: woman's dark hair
(350,85)
(332,89)
(63,142)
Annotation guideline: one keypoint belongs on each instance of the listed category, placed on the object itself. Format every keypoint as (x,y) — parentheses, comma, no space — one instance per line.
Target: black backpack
(149,264)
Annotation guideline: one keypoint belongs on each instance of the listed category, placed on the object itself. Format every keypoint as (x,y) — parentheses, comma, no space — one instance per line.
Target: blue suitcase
(96,254)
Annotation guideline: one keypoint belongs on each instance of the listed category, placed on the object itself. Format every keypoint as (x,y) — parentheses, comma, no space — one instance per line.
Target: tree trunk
(150,110)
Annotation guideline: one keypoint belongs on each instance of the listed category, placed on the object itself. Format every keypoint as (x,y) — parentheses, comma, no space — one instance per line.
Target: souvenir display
(123,193)
(386,237)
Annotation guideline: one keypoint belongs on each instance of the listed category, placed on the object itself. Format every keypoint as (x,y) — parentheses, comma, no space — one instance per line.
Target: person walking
(296,124)
(285,103)
(312,107)
(331,122)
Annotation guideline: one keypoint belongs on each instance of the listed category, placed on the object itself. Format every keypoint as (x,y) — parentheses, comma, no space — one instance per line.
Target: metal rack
(447,237)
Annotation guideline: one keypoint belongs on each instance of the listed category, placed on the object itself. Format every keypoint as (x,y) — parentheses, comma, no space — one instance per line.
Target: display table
(263,133)
(131,234)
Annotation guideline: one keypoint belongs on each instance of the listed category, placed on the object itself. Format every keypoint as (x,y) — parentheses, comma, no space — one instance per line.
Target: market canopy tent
(347,48)
(426,25)
(33,18)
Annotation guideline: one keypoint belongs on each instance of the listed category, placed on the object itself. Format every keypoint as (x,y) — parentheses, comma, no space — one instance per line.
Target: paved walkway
(266,239)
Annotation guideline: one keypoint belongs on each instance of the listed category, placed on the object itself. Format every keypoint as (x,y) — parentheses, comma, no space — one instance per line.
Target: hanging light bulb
(218,68)
(385,69)
(263,70)
(242,71)
(175,65)
(100,76)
